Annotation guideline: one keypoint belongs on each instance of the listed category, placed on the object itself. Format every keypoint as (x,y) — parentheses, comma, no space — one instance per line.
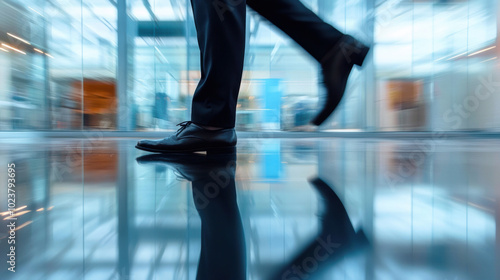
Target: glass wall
(134,65)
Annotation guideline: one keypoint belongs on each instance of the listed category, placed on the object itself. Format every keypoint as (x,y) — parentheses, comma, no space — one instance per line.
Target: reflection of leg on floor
(336,240)
(223,252)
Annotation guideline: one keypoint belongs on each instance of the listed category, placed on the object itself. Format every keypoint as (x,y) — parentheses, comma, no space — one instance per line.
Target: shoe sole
(209,150)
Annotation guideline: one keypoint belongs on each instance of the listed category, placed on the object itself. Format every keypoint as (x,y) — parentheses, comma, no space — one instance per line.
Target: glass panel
(64,40)
(99,47)
(160,95)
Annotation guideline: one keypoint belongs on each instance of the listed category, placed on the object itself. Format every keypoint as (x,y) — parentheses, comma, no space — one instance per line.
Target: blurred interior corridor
(134,65)
(401,182)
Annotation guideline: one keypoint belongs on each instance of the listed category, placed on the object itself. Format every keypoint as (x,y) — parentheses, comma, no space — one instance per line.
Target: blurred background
(86,207)
(69,65)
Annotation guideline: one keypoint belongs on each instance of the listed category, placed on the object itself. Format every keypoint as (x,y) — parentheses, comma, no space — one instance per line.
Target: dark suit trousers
(220,26)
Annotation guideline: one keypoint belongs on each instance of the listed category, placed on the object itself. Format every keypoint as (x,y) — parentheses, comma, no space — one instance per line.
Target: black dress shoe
(336,67)
(193,138)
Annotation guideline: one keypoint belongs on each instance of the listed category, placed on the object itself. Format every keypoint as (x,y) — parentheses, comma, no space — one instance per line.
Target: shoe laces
(183,125)
(178,175)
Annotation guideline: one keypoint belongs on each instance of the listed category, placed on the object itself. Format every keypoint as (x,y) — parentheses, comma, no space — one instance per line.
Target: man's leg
(221,37)
(220,25)
(300,23)
(336,52)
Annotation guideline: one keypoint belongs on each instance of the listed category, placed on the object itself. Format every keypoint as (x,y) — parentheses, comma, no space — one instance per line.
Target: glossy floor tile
(277,209)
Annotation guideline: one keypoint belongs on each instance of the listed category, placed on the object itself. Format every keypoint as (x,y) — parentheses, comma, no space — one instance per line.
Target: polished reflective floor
(292,209)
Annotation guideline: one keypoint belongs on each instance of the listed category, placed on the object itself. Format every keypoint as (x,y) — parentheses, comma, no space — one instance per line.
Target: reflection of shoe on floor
(193,166)
(335,223)
(335,241)
(336,67)
(193,138)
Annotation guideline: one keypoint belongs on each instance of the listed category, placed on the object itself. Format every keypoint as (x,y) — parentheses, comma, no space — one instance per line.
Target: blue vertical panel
(271,163)
(272,104)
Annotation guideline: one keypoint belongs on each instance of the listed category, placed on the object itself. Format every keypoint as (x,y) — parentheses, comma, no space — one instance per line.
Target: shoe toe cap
(145,143)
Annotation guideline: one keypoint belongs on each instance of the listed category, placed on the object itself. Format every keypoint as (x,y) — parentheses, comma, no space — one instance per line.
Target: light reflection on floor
(288,209)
